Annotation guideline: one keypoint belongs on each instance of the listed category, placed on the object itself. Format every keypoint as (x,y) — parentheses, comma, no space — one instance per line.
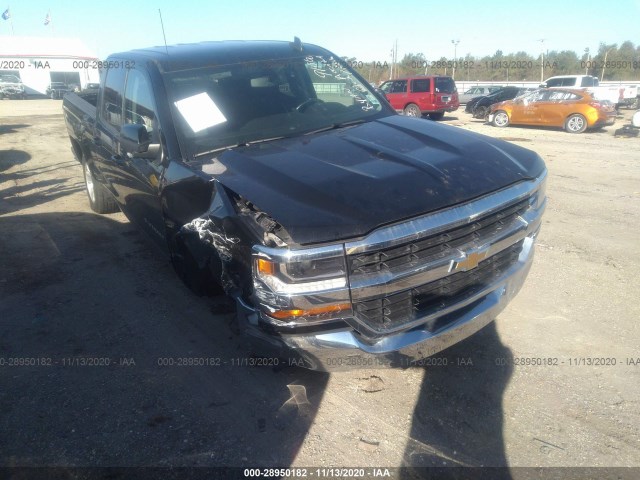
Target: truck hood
(344,183)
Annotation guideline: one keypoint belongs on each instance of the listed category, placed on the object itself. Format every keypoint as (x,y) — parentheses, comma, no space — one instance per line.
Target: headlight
(301,283)
(538,198)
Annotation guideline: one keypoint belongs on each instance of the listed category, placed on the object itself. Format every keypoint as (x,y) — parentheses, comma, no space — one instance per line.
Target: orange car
(574,110)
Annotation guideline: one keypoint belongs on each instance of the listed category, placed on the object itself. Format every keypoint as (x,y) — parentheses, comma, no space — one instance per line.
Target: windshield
(236,104)
(9,79)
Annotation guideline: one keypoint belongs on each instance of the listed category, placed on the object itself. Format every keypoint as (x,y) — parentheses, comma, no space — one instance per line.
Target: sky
(362,29)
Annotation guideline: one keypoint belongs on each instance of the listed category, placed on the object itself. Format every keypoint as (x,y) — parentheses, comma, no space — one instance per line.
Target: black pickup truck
(348,235)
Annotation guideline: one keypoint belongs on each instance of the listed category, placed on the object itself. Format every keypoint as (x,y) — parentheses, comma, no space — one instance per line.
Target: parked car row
(477,91)
(480,107)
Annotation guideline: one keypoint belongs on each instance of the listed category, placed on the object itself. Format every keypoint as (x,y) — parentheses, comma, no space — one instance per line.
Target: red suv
(415,96)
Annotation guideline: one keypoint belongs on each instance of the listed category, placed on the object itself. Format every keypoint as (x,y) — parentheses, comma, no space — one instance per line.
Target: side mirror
(135,138)
(543,85)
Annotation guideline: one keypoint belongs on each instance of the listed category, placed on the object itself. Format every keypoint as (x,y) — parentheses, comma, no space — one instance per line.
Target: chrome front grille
(419,271)
(392,310)
(431,248)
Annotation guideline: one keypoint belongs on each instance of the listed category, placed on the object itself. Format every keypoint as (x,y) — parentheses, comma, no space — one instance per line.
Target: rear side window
(560,96)
(420,86)
(561,82)
(588,82)
(445,85)
(111,111)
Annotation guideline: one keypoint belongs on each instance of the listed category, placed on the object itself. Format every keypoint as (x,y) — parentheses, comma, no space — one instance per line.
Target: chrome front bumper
(345,349)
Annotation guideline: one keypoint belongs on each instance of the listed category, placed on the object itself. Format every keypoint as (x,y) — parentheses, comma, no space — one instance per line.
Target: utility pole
(604,63)
(455,56)
(394,58)
(586,68)
(541,40)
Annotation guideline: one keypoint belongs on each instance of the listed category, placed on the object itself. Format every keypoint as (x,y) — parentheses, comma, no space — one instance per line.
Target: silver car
(477,91)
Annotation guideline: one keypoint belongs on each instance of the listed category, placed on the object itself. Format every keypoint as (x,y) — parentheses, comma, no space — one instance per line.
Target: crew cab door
(137,185)
(132,177)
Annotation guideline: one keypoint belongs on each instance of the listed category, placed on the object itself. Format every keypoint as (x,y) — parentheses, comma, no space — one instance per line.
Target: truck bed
(79,113)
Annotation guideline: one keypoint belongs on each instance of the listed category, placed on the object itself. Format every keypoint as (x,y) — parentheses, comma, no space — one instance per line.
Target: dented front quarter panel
(209,234)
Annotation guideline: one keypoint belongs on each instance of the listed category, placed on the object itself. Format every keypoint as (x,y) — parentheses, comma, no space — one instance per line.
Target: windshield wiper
(336,126)
(241,144)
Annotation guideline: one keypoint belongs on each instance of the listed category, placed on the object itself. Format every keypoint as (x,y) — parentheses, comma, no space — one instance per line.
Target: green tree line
(610,63)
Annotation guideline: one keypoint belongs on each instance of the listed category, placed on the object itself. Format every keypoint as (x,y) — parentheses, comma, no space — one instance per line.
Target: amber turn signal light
(284,314)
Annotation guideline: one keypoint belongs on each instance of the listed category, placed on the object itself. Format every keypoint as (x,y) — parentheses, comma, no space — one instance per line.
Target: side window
(138,102)
(112,97)
(555,82)
(399,86)
(420,86)
(541,96)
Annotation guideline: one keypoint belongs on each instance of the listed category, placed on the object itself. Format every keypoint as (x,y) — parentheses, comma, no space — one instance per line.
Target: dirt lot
(75,286)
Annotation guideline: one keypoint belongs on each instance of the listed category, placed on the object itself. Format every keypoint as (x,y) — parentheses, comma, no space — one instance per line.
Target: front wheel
(500,119)
(100,200)
(412,110)
(436,116)
(575,123)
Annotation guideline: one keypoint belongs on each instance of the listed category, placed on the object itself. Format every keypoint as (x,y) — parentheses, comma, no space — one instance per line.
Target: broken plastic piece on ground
(627,131)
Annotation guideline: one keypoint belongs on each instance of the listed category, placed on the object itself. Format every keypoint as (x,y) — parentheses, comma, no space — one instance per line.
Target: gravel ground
(554,381)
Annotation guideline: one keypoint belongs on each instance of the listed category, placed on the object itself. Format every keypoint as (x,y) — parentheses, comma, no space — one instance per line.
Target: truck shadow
(136,370)
(12,128)
(458,418)
(10,158)
(20,197)
(132,368)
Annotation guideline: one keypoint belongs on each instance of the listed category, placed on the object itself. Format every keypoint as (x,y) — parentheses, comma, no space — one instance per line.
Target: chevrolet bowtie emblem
(471,261)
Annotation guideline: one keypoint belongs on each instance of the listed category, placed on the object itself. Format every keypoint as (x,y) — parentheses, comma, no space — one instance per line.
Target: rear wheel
(575,123)
(100,200)
(412,110)
(436,116)
(500,119)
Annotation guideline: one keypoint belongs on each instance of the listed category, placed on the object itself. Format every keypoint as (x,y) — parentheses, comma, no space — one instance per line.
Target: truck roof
(196,55)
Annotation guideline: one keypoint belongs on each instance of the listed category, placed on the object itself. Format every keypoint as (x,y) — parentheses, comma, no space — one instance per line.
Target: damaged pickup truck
(347,235)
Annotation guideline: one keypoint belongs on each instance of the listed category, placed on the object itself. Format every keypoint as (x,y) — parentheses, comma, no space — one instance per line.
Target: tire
(500,119)
(481,112)
(575,123)
(436,116)
(100,199)
(412,110)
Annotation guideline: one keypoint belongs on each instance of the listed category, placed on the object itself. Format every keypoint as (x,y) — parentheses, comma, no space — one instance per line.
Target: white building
(38,61)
